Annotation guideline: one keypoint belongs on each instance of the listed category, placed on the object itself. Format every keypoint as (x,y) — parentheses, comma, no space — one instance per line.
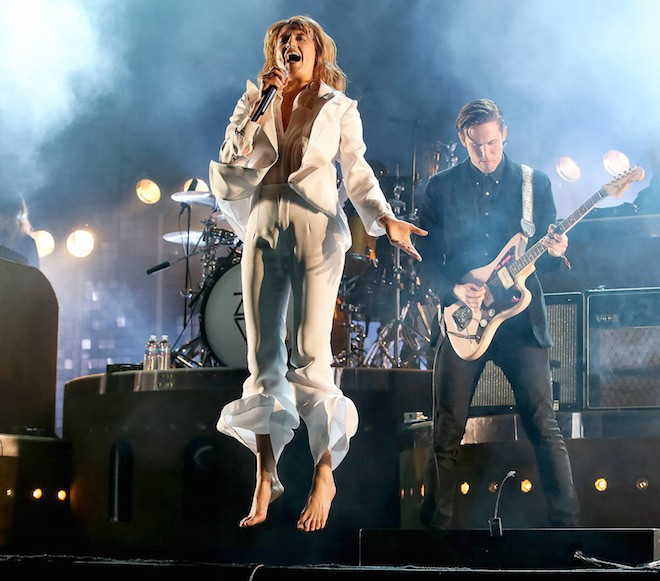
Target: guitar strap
(527,221)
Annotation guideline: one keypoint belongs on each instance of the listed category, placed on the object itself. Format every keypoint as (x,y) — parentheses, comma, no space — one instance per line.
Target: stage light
(526,486)
(568,169)
(465,488)
(61,494)
(37,493)
(492,487)
(195,185)
(45,242)
(80,243)
(148,191)
(9,492)
(615,162)
(642,484)
(600,484)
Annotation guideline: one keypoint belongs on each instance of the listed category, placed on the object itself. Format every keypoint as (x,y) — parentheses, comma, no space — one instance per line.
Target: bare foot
(315,514)
(268,490)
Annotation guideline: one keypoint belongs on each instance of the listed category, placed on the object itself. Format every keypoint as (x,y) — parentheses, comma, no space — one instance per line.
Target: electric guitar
(470,333)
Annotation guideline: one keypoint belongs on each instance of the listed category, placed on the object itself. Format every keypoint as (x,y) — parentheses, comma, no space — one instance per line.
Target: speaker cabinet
(565,317)
(623,354)
(28,342)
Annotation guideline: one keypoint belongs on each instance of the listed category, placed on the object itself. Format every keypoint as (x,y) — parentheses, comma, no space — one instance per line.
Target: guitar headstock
(621,182)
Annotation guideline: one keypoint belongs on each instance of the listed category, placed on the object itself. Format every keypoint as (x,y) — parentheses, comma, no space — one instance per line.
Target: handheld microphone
(270,92)
(495,523)
(266,98)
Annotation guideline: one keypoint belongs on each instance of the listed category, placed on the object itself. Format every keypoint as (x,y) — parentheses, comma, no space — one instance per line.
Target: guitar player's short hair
(478,112)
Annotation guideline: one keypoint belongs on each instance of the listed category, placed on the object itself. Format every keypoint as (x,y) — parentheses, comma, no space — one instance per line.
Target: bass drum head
(222,323)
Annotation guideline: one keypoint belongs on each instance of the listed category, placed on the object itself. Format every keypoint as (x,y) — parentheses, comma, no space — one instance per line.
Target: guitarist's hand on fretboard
(556,244)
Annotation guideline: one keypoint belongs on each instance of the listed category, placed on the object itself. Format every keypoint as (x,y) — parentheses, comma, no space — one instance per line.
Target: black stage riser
(151,477)
(629,465)
(151,472)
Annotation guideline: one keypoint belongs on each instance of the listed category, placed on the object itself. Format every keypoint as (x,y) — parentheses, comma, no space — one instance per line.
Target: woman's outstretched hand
(399,232)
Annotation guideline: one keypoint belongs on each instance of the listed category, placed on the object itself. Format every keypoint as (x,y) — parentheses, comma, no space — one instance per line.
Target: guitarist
(471,211)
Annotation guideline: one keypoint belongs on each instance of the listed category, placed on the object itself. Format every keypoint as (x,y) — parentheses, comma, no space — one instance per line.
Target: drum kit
(379,286)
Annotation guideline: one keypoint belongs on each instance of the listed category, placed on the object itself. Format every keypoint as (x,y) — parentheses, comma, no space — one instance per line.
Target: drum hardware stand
(387,348)
(352,354)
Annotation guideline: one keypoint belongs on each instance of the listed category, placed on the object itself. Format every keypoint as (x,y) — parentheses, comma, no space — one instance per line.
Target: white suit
(295,236)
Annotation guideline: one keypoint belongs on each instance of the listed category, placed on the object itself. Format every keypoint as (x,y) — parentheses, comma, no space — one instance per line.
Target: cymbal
(191,238)
(195,198)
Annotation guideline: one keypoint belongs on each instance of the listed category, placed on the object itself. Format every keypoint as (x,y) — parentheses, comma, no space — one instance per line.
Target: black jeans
(527,368)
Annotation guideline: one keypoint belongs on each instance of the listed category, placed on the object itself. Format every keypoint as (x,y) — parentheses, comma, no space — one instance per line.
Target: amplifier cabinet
(623,348)
(566,320)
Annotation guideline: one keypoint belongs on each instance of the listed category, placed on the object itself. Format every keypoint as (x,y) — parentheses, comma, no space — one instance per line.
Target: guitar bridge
(462,317)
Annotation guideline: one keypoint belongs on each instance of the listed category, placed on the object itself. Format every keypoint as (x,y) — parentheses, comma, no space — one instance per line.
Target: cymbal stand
(399,334)
(353,352)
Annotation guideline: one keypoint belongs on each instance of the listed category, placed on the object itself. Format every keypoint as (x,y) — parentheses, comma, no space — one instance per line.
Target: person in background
(471,211)
(276,183)
(16,230)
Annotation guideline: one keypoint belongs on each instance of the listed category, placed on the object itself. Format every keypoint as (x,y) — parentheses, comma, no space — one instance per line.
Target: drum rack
(402,342)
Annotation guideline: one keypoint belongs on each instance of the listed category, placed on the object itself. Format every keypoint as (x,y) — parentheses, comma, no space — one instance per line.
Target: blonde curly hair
(325,68)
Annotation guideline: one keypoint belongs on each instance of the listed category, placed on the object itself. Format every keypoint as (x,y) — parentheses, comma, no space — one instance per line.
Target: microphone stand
(495,523)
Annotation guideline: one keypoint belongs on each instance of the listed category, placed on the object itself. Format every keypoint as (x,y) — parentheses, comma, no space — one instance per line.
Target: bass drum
(222,323)
(222,320)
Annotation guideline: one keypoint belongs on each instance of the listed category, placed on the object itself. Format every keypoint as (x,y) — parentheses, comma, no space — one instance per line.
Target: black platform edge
(558,548)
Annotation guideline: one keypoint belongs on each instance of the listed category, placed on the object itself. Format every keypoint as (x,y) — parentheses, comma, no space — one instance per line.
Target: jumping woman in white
(276,182)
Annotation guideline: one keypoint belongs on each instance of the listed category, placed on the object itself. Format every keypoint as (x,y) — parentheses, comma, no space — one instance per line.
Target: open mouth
(293,57)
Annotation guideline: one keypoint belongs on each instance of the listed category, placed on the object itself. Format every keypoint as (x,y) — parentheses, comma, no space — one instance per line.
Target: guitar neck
(536,251)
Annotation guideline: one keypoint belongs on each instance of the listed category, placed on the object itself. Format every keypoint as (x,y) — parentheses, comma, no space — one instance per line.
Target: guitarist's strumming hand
(471,294)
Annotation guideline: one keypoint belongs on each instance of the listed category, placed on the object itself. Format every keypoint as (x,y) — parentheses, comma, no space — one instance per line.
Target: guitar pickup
(462,317)
(505,278)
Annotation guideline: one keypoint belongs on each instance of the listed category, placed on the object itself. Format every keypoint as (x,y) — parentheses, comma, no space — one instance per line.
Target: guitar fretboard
(532,255)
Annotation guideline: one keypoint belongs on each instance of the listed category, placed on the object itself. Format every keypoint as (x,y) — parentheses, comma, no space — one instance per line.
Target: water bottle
(150,362)
(164,353)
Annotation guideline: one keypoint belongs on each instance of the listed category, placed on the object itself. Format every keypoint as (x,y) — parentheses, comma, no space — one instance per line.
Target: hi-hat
(195,198)
(192,237)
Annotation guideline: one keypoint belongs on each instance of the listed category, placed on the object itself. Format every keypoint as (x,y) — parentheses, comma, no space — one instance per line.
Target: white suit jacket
(249,150)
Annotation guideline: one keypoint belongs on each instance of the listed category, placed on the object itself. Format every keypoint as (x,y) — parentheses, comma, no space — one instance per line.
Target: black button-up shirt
(471,217)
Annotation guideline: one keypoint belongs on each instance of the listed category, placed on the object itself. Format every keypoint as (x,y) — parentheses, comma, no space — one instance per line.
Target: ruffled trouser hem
(331,422)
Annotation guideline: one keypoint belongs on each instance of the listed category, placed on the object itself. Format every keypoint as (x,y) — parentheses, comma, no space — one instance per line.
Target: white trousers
(292,252)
